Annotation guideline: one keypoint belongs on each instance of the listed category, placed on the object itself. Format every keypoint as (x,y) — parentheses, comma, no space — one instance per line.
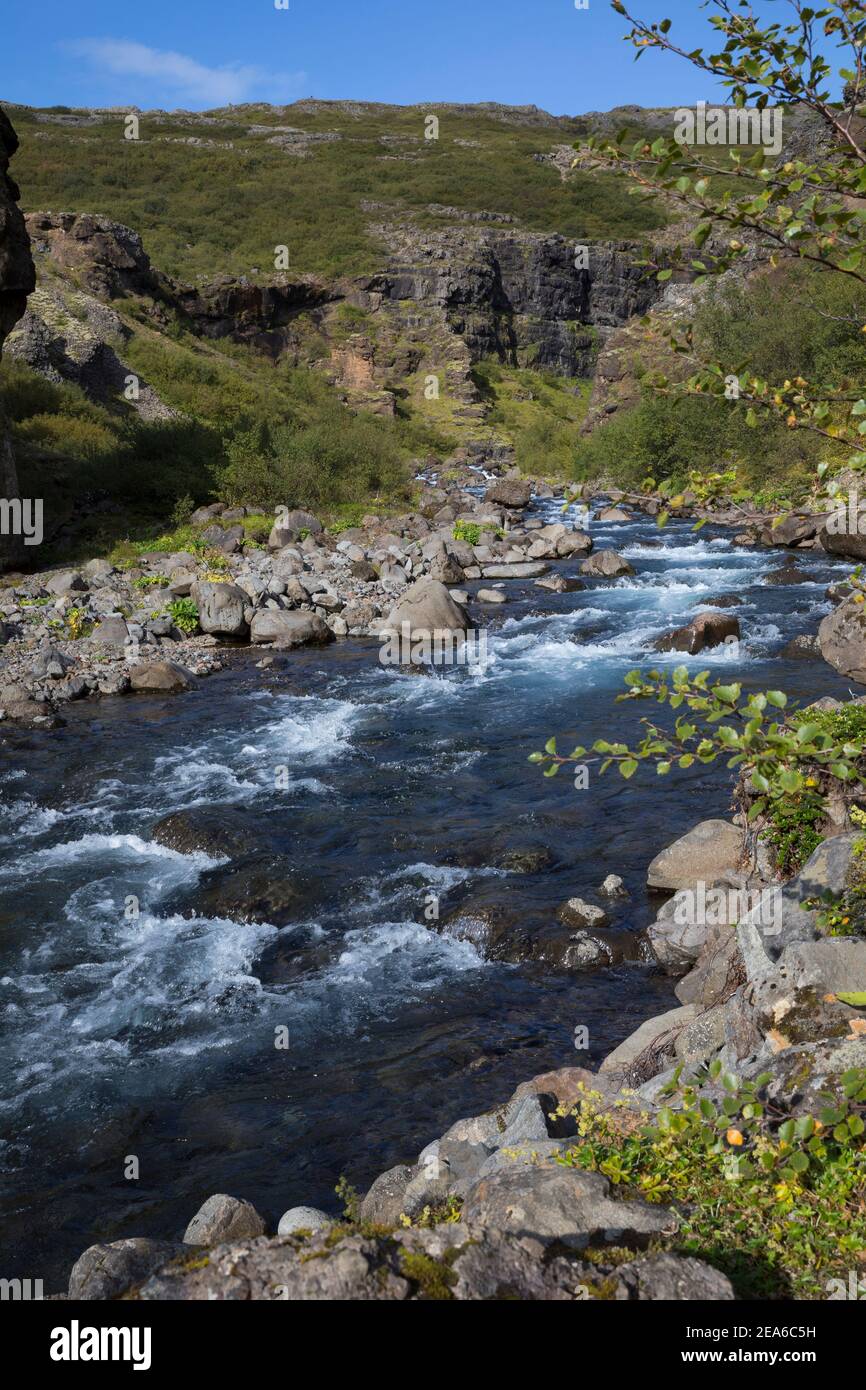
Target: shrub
(775,1200)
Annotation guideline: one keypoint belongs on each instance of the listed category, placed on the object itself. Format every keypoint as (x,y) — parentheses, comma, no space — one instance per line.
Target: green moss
(434,1279)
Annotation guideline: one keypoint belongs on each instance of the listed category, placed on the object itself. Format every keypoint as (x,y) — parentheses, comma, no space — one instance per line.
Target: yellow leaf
(734,1136)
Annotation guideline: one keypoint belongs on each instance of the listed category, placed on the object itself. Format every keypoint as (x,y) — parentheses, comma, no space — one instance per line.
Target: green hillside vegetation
(538,412)
(247,431)
(789,323)
(204,210)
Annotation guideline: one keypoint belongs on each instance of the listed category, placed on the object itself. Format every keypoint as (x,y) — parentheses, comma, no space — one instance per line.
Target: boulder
(835,965)
(212,830)
(517,569)
(223,1218)
(680,931)
(842,637)
(303,1219)
(286,630)
(513,493)
(163,676)
(565,1206)
(104,1272)
(824,875)
(447,569)
(559,584)
(792,529)
(98,573)
(786,576)
(427,607)
(704,854)
(386,1200)
(111,632)
(578,913)
(606,564)
(65,582)
(573,543)
(291,525)
(613,514)
(717,972)
(706,630)
(220,608)
(844,541)
(641,1054)
(805,647)
(490,596)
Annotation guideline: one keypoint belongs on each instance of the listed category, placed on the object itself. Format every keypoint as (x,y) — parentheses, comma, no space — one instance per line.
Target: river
(154,1036)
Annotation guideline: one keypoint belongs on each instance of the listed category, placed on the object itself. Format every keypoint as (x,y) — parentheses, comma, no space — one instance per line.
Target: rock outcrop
(17,280)
(842,639)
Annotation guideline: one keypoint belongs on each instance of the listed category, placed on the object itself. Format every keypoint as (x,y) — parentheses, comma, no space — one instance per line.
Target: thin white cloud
(183,77)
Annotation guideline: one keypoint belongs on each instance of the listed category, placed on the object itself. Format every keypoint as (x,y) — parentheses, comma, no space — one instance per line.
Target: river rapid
(153,1036)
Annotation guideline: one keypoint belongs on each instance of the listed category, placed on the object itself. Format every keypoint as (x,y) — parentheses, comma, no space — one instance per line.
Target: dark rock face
(257,314)
(17,280)
(17,275)
(108,257)
(519,296)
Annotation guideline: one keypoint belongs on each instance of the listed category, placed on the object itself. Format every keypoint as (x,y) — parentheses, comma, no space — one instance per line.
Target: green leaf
(628,768)
(856,1001)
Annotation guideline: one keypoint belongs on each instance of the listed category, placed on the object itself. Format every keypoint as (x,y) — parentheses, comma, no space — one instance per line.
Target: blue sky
(201,53)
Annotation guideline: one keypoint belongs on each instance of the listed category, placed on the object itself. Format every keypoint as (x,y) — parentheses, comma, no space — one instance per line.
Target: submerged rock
(706,630)
(211,830)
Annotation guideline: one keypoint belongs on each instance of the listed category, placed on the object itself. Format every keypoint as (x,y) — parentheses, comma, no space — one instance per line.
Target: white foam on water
(408,949)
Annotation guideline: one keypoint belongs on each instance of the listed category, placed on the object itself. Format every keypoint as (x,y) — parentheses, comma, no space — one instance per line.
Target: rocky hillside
(476,325)
(16,282)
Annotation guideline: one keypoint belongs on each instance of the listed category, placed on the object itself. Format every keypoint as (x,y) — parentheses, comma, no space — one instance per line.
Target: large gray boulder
(223,1218)
(606,564)
(291,525)
(303,1219)
(848,542)
(105,1271)
(510,492)
(824,876)
(220,608)
(428,608)
(65,582)
(111,632)
(717,972)
(842,638)
(706,853)
(680,931)
(285,630)
(160,677)
(658,1034)
(516,569)
(563,1205)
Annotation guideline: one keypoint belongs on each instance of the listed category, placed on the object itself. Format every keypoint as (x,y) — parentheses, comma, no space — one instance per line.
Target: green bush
(775,1200)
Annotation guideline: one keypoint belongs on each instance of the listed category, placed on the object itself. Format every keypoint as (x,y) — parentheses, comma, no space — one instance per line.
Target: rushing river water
(155,1036)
